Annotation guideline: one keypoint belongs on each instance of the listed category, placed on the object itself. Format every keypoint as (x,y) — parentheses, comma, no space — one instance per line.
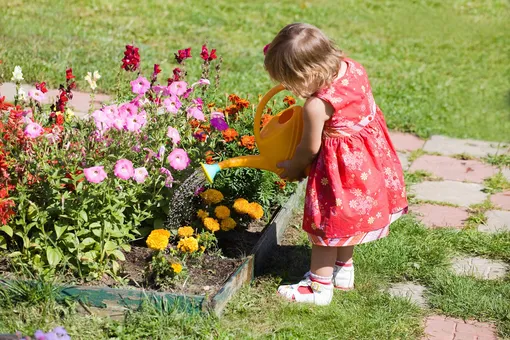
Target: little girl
(355,185)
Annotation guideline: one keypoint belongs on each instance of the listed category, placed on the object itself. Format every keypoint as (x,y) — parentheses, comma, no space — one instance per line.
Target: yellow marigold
(212,196)
(158,239)
(256,212)
(228,224)
(188,245)
(202,214)
(177,267)
(241,205)
(222,212)
(185,231)
(202,249)
(211,224)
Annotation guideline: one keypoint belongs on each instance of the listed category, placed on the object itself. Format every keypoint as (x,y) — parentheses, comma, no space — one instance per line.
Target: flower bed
(89,199)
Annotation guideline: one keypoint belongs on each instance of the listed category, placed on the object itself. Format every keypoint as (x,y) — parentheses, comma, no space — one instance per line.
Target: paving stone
(454,169)
(434,216)
(404,160)
(458,193)
(406,141)
(411,291)
(438,327)
(497,220)
(451,146)
(80,102)
(479,267)
(501,200)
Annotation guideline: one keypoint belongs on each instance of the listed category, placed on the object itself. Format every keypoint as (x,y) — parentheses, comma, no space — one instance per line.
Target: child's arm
(315,113)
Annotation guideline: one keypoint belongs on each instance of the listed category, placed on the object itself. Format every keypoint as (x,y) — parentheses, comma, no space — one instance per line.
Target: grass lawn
(437,67)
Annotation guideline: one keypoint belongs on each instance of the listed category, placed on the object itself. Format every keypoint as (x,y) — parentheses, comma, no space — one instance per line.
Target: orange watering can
(277,141)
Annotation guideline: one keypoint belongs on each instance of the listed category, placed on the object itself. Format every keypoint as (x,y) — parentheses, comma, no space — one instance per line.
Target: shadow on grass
(289,262)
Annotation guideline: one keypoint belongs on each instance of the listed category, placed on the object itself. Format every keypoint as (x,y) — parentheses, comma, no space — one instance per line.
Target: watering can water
(277,141)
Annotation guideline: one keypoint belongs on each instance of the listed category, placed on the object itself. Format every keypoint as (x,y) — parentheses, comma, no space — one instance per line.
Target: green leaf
(88,241)
(119,255)
(3,243)
(84,216)
(115,266)
(59,230)
(126,247)
(109,246)
(53,256)
(6,229)
(14,254)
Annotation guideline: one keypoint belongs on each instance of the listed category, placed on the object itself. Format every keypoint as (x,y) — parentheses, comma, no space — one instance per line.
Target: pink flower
(140,85)
(140,174)
(165,171)
(172,104)
(217,114)
(95,174)
(201,82)
(169,180)
(198,102)
(52,137)
(135,123)
(173,134)
(178,159)
(103,119)
(123,169)
(196,113)
(36,95)
(33,130)
(178,88)
(119,123)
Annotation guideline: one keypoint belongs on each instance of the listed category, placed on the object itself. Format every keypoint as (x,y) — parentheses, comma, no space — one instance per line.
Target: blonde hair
(303,59)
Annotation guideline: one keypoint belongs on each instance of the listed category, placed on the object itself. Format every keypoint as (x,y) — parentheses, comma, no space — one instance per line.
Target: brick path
(458,172)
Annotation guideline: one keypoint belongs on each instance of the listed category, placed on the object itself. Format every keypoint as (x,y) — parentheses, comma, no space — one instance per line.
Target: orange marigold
(228,224)
(209,157)
(256,212)
(265,119)
(231,110)
(242,104)
(188,245)
(194,123)
(248,142)
(211,224)
(158,239)
(211,105)
(234,98)
(289,100)
(222,212)
(281,184)
(241,205)
(212,196)
(230,135)
(186,231)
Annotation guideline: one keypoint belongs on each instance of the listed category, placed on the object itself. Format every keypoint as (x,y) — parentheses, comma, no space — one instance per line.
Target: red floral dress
(356,185)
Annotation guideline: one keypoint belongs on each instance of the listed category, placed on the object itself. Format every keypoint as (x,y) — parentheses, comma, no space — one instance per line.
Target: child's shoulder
(355,67)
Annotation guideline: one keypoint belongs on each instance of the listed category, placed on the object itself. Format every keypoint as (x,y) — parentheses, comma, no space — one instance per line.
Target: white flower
(22,95)
(92,79)
(17,75)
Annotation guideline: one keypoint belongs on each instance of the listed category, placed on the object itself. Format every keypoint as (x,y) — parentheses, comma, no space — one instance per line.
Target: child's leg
(343,277)
(316,287)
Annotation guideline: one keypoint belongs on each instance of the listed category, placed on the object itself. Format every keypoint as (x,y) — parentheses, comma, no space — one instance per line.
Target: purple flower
(196,113)
(33,130)
(187,93)
(173,134)
(137,148)
(161,152)
(165,171)
(217,114)
(168,181)
(140,174)
(140,85)
(178,159)
(172,104)
(219,124)
(199,190)
(95,174)
(123,169)
(198,102)
(178,88)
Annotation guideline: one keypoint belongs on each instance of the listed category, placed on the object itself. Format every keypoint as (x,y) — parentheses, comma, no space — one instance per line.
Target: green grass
(437,67)
(411,253)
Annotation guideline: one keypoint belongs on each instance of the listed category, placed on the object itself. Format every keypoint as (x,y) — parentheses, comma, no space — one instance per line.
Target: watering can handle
(260,108)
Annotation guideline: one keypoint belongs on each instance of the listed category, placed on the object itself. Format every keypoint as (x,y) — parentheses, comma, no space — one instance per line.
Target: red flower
(281,184)
(234,98)
(41,87)
(60,120)
(182,55)
(6,211)
(4,106)
(209,157)
(69,74)
(205,54)
(131,60)
(157,69)
(289,100)
(200,135)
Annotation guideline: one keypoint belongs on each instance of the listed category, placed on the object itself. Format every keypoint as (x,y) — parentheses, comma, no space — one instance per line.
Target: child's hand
(292,170)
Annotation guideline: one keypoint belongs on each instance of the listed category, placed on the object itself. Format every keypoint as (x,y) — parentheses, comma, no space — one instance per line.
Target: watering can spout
(256,162)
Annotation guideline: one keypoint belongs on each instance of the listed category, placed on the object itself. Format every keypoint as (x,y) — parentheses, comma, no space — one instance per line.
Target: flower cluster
(158,239)
(131,60)
(186,231)
(212,196)
(253,209)
(188,245)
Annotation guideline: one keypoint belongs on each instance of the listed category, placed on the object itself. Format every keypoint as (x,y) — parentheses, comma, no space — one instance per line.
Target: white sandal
(343,277)
(319,294)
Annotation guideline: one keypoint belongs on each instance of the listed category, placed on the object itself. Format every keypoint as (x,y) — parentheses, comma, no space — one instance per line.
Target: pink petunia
(140,174)
(37,95)
(172,104)
(140,85)
(102,119)
(95,174)
(173,134)
(178,159)
(178,88)
(33,130)
(135,123)
(201,82)
(123,169)
(196,113)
